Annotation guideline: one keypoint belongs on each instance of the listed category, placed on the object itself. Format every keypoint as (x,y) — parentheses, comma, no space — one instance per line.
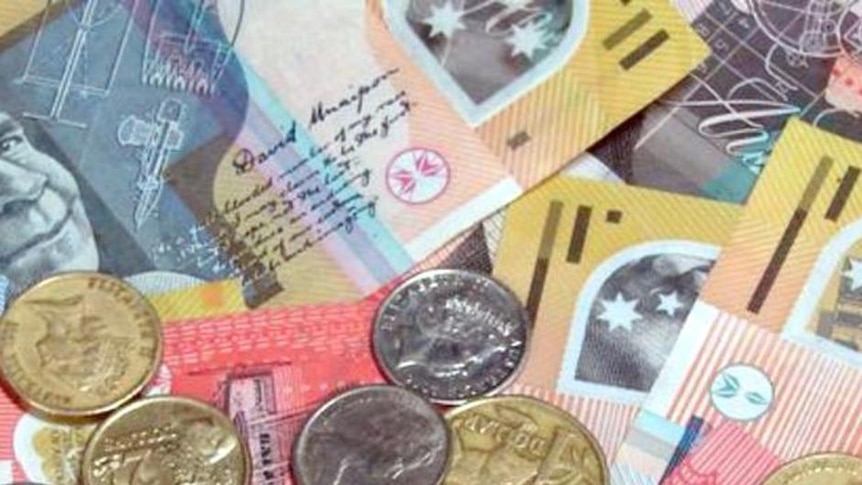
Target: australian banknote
(736,401)
(266,369)
(608,273)
(771,61)
(179,142)
(426,187)
(792,264)
(768,366)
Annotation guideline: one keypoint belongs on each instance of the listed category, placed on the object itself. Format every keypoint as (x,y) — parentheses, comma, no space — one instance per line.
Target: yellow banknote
(608,273)
(543,80)
(794,263)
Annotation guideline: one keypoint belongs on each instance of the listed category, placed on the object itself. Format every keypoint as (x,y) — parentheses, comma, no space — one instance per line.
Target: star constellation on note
(620,312)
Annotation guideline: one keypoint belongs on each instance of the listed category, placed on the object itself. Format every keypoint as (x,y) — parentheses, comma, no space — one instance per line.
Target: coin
(819,469)
(79,344)
(374,435)
(516,439)
(166,440)
(451,335)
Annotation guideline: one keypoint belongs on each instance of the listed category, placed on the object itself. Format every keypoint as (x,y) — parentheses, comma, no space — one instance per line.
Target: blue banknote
(98,99)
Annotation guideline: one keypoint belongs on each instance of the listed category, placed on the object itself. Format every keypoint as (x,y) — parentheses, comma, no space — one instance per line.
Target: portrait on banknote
(94,108)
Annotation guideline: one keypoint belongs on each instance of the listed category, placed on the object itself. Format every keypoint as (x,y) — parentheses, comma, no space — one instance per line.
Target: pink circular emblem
(417,176)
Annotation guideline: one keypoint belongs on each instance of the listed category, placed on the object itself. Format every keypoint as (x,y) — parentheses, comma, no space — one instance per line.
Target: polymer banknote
(188,141)
(771,61)
(768,367)
(734,403)
(608,273)
(262,368)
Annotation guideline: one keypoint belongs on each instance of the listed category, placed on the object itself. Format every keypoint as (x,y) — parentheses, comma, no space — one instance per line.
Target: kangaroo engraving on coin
(375,435)
(451,335)
(79,344)
(516,439)
(819,469)
(166,440)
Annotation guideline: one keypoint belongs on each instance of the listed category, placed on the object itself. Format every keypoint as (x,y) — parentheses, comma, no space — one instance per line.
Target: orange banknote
(608,272)
(794,262)
(767,368)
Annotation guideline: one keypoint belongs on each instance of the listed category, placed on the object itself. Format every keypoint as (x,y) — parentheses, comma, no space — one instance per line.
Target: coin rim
(50,411)
(89,450)
(554,409)
(505,383)
(301,443)
(788,468)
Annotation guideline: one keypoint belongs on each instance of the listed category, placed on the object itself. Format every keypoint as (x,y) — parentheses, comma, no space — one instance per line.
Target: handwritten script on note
(312,190)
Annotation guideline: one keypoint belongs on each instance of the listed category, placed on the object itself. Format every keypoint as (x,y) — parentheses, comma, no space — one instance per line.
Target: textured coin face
(166,441)
(521,440)
(820,469)
(451,335)
(79,344)
(376,435)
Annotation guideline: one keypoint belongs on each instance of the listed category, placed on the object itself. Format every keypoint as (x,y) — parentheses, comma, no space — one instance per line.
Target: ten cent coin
(451,335)
(820,469)
(79,344)
(377,435)
(517,439)
(166,440)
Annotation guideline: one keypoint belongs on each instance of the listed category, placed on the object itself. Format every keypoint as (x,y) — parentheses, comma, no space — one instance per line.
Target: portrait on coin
(374,450)
(42,218)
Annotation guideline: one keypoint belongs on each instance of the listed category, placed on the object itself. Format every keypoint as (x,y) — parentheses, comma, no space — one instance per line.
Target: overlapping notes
(362,166)
(793,263)
(734,403)
(767,367)
(265,369)
(609,273)
(771,61)
(542,81)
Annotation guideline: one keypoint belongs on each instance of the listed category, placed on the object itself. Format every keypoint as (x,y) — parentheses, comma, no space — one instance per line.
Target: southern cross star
(854,274)
(669,304)
(527,40)
(445,20)
(620,313)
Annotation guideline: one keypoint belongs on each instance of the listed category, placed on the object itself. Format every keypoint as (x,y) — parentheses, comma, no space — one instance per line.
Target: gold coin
(819,469)
(79,344)
(515,439)
(166,440)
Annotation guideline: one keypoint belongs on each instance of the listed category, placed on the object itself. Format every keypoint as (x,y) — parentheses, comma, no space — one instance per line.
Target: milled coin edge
(53,413)
(789,471)
(496,390)
(89,449)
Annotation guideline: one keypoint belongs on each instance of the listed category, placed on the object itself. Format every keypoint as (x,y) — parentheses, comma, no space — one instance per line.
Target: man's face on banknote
(43,226)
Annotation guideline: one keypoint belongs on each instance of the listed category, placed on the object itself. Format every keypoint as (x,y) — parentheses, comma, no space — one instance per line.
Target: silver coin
(374,435)
(451,335)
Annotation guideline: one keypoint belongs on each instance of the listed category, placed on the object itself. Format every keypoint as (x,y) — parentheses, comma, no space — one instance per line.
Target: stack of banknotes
(371,242)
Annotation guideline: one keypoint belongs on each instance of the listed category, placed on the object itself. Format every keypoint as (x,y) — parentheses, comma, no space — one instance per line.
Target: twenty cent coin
(517,439)
(166,440)
(820,469)
(79,344)
(376,435)
(451,335)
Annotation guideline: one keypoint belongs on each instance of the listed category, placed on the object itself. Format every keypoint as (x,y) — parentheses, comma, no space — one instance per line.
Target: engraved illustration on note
(484,54)
(86,70)
(193,59)
(156,139)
